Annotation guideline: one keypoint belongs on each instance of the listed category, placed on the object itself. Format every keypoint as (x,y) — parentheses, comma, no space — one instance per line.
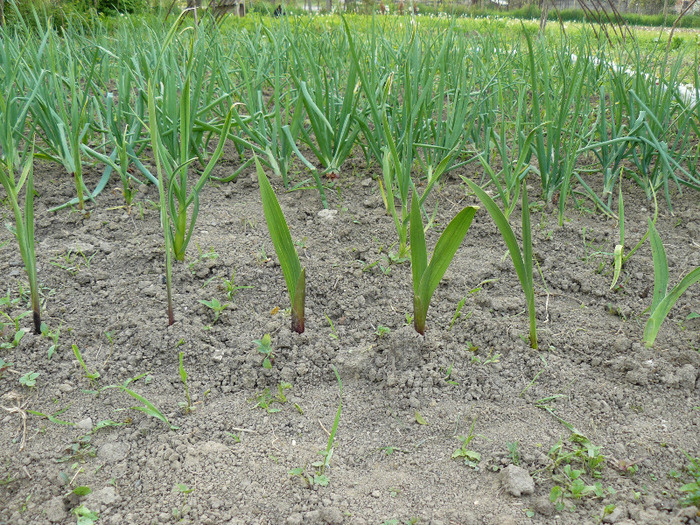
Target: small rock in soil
(544,506)
(55,510)
(517,481)
(113,452)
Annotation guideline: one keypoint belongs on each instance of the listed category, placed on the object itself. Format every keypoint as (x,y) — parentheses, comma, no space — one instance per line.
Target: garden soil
(467,425)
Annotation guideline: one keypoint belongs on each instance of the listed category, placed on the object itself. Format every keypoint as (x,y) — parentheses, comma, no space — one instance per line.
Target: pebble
(517,481)
(84,424)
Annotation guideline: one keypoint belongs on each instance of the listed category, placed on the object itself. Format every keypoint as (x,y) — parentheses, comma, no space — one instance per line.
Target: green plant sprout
(381,331)
(470,457)
(4,366)
(29,379)
(187,404)
(294,274)
(318,476)
(458,313)
(334,334)
(427,275)
(85,516)
(53,335)
(91,376)
(216,306)
(663,300)
(180,512)
(522,260)
(513,452)
(266,399)
(231,288)
(692,489)
(265,348)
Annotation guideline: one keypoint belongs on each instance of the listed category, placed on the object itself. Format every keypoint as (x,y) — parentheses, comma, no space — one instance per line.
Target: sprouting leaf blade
(651,329)
(279,232)
(658,254)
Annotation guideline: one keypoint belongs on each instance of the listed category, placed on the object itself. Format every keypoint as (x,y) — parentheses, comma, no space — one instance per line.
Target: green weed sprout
(521,260)
(294,274)
(215,305)
(427,276)
(663,301)
(91,376)
(265,348)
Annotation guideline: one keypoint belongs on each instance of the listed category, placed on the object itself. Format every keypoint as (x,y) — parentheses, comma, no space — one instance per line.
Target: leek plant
(24,216)
(619,255)
(427,275)
(123,123)
(14,109)
(515,162)
(522,259)
(176,169)
(63,106)
(558,120)
(294,274)
(663,300)
(330,97)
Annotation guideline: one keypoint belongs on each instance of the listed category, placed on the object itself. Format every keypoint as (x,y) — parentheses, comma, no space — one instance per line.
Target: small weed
(85,516)
(458,313)
(231,288)
(45,332)
(73,262)
(334,334)
(692,489)
(187,404)
(513,452)
(470,457)
(490,358)
(79,451)
(570,463)
(448,375)
(184,508)
(317,475)
(266,399)
(216,306)
(265,348)
(91,376)
(381,331)
(4,366)
(29,379)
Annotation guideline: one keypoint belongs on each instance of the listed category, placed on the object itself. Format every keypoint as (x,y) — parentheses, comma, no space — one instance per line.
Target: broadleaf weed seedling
(470,457)
(266,399)
(53,335)
(216,306)
(265,348)
(231,288)
(29,379)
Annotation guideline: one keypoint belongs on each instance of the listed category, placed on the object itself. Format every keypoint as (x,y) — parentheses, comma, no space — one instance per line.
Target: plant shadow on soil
(406,399)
